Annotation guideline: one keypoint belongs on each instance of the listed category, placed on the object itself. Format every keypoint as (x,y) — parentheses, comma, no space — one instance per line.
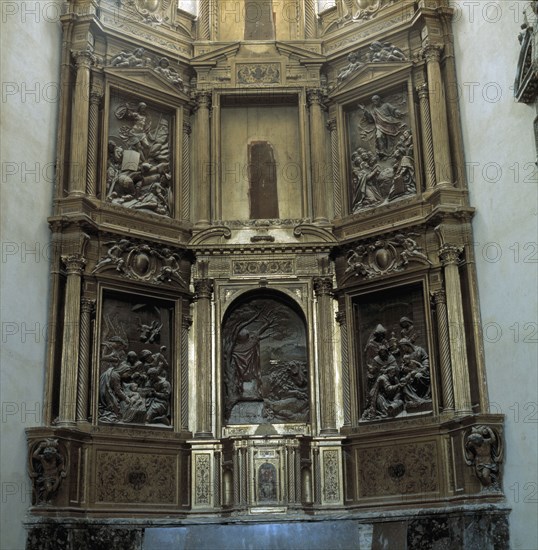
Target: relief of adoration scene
(265,363)
(381,161)
(139,157)
(135,373)
(395,365)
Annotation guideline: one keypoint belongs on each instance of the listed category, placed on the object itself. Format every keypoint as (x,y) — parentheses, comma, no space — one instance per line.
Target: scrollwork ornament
(483,450)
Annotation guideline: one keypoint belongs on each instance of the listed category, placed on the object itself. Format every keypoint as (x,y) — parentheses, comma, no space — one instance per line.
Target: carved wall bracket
(484,451)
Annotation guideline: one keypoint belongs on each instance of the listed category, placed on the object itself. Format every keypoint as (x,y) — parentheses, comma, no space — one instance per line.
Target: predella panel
(265,363)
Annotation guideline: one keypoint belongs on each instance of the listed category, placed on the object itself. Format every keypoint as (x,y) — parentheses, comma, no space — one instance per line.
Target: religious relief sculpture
(483,450)
(397,373)
(139,172)
(47,469)
(134,384)
(382,158)
(143,262)
(383,256)
(265,364)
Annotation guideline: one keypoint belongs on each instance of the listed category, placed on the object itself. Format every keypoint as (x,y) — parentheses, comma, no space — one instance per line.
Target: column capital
(341,317)
(187,128)
(87,305)
(323,286)
(315,96)
(95,96)
(439,296)
(202,99)
(186,322)
(203,289)
(450,254)
(422,91)
(74,264)
(83,58)
(332,125)
(432,53)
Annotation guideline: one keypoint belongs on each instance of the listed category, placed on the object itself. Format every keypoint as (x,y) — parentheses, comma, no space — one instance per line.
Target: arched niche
(265,365)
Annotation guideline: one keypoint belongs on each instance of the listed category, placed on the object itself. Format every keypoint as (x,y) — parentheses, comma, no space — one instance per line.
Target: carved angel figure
(484,451)
(384,51)
(353,65)
(129,59)
(164,69)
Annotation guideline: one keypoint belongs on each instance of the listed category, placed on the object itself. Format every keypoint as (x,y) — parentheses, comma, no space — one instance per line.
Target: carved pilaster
(450,256)
(83,382)
(204,290)
(443,337)
(93,129)
(186,324)
(315,97)
(80,122)
(203,158)
(204,24)
(427,139)
(310,19)
(323,290)
(335,160)
(186,172)
(74,266)
(438,113)
(341,319)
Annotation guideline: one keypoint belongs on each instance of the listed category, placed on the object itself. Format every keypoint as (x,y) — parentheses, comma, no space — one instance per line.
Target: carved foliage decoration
(385,255)
(356,10)
(150,11)
(381,155)
(136,478)
(135,371)
(143,262)
(202,466)
(258,73)
(47,468)
(265,364)
(331,476)
(139,160)
(484,451)
(406,469)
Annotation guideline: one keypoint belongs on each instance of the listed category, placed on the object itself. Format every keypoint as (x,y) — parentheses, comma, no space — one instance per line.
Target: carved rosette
(143,262)
(484,451)
(384,256)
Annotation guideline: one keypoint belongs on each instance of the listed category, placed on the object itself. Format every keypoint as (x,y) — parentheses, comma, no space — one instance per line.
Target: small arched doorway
(265,361)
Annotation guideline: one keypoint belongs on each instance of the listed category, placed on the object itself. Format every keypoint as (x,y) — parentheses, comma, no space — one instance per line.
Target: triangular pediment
(145,77)
(368,73)
(213,57)
(291,51)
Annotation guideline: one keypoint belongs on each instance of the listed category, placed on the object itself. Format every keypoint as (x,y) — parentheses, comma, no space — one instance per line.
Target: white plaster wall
(500,152)
(30,45)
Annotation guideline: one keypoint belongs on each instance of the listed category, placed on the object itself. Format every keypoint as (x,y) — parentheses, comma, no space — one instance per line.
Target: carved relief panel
(135,377)
(381,154)
(392,348)
(265,363)
(139,156)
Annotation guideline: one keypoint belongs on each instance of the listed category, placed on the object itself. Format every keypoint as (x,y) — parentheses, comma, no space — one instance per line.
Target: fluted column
(74,265)
(186,324)
(310,19)
(93,129)
(204,290)
(80,123)
(203,18)
(438,112)
(83,381)
(186,172)
(203,160)
(427,139)
(450,255)
(318,156)
(443,338)
(323,290)
(335,165)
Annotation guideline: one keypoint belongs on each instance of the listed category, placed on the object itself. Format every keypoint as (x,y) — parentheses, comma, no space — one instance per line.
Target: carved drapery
(80,122)
(204,291)
(450,255)
(439,117)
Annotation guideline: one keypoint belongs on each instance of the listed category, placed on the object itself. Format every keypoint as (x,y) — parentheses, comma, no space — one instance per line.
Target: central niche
(265,362)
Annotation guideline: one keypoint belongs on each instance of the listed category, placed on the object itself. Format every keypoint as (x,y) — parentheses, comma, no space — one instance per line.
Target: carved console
(263,293)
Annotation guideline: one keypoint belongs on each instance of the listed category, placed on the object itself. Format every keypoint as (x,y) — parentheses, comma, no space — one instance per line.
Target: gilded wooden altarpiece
(263,286)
